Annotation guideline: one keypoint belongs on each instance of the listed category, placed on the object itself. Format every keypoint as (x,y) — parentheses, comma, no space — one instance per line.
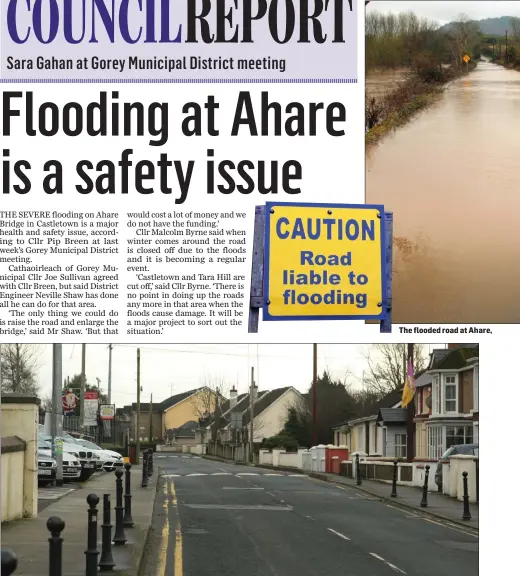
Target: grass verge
(401,104)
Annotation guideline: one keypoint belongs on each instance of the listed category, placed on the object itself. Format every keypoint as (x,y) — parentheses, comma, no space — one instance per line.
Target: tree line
(404,40)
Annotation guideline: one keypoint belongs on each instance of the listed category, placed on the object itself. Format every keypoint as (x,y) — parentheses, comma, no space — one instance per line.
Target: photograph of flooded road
(443,154)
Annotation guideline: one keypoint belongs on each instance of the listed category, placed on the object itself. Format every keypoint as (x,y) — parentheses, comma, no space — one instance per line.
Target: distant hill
(491,26)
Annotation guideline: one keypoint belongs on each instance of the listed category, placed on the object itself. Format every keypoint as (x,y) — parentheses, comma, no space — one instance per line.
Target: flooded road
(452,178)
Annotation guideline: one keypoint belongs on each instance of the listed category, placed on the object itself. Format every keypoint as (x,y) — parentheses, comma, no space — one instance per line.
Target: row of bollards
(466,515)
(123,519)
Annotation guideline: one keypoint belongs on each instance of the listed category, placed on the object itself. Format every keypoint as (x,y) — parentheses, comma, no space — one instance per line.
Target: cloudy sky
(446,11)
(169,369)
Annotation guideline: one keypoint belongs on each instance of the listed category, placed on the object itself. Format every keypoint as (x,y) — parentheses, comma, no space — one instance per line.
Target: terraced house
(446,401)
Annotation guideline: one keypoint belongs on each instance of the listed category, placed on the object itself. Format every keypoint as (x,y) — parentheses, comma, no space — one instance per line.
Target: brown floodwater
(452,178)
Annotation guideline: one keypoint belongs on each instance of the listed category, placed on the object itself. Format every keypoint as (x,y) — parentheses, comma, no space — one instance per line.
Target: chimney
(232,398)
(255,393)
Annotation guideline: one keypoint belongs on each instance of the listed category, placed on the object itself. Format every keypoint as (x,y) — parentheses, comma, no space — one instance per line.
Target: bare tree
(387,365)
(464,36)
(20,365)
(204,401)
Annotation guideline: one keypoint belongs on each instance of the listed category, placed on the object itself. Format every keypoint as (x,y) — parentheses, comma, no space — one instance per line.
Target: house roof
(425,379)
(263,402)
(456,358)
(392,415)
(176,398)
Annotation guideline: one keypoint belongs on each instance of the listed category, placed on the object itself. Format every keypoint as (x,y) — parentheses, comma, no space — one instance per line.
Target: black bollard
(144,482)
(106,561)
(91,552)
(55,526)
(424,501)
(150,462)
(128,520)
(465,514)
(394,481)
(358,471)
(119,534)
(9,562)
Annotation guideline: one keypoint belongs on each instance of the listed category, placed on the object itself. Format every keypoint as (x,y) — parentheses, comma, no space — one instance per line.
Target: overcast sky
(170,369)
(444,12)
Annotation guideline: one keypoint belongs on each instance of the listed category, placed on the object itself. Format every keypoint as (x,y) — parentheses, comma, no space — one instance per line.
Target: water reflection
(452,179)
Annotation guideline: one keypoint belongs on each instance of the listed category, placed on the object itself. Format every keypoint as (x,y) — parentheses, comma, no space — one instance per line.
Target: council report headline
(110,116)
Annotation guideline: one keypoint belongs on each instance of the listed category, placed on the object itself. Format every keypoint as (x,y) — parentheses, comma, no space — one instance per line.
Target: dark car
(465,449)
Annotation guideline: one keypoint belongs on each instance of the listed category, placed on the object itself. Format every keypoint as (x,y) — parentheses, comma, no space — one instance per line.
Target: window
(475,389)
(435,443)
(436,392)
(400,445)
(459,435)
(450,393)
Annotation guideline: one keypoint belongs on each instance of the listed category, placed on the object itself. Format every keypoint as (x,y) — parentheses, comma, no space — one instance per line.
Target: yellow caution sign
(324,261)
(466,58)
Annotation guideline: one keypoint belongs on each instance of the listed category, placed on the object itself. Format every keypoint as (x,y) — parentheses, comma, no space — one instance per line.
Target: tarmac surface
(222,519)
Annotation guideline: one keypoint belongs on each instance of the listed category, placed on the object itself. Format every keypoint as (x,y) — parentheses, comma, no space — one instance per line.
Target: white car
(108,460)
(47,466)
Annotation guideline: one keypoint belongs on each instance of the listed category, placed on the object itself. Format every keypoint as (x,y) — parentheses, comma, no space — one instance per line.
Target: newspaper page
(139,138)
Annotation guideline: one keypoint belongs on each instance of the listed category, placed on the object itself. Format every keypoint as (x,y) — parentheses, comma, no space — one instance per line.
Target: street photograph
(205,459)
(442,109)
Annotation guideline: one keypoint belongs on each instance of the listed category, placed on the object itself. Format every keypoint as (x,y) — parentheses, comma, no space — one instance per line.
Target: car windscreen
(448,452)
(90,445)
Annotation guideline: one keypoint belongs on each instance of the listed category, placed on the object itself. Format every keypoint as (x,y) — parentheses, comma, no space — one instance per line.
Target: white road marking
(446,524)
(272,494)
(387,563)
(248,474)
(297,475)
(337,533)
(196,474)
(221,474)
(53,493)
(223,469)
(171,475)
(237,488)
(309,517)
(272,474)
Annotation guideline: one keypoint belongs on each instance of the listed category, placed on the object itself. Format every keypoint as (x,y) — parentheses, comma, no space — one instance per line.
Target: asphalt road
(220,519)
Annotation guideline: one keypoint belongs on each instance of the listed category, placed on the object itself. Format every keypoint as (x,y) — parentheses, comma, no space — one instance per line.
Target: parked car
(47,466)
(108,460)
(466,449)
(86,458)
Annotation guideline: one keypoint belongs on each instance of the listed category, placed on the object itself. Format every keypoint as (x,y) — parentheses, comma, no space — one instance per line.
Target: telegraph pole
(506,48)
(314,387)
(110,373)
(251,412)
(82,389)
(410,436)
(137,418)
(57,446)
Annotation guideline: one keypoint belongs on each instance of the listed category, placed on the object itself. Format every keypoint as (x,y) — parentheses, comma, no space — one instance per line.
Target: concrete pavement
(28,538)
(213,518)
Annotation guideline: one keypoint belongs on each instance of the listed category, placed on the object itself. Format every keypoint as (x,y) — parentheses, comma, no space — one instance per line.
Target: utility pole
(57,445)
(410,436)
(150,422)
(251,412)
(82,389)
(314,387)
(137,418)
(506,48)
(110,373)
